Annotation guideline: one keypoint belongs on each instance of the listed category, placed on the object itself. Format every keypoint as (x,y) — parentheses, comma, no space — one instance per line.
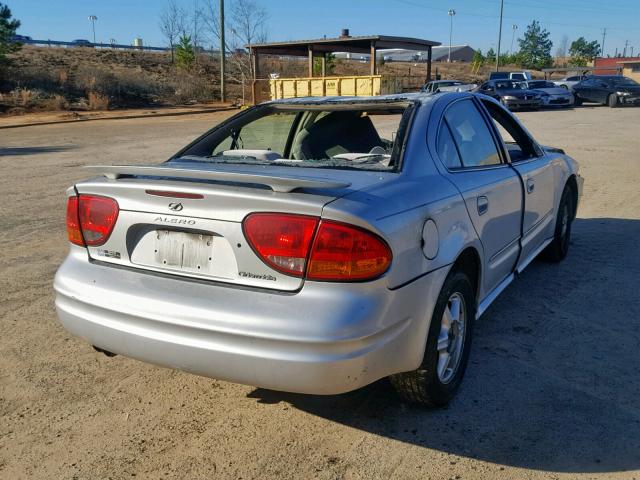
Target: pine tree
(185,53)
(8,29)
(535,47)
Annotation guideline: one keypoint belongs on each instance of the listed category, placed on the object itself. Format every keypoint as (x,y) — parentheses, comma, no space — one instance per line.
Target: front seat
(336,133)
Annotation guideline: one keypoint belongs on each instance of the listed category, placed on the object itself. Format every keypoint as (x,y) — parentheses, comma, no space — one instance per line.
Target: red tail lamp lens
(337,252)
(347,253)
(282,241)
(73,224)
(90,219)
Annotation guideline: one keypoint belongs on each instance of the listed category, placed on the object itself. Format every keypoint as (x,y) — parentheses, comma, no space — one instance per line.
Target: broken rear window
(353,136)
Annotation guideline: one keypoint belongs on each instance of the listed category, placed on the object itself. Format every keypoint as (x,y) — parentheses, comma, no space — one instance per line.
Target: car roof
(413,97)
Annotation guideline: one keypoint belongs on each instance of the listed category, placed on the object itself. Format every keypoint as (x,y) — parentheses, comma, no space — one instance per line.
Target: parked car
(297,247)
(569,82)
(81,42)
(612,90)
(550,94)
(20,38)
(521,75)
(511,93)
(447,86)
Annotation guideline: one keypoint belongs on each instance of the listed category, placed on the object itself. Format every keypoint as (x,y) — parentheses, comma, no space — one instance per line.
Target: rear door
(537,177)
(490,187)
(601,91)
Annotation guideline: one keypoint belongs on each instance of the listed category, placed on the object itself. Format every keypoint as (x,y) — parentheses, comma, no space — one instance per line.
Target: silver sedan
(550,94)
(318,245)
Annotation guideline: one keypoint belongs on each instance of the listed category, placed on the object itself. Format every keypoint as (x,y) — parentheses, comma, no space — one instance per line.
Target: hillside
(85,78)
(41,78)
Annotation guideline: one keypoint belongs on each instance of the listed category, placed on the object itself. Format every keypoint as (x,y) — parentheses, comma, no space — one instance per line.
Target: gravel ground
(552,389)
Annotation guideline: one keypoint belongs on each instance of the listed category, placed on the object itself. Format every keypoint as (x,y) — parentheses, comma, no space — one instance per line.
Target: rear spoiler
(276,183)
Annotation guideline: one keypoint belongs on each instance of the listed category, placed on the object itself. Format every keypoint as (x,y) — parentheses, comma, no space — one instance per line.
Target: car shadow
(19,151)
(553,381)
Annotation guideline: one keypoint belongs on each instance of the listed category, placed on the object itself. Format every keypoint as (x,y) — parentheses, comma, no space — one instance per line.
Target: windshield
(510,85)
(541,84)
(367,137)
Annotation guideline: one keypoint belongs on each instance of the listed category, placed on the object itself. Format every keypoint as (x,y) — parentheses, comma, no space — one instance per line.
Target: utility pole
(499,36)
(604,34)
(451,12)
(223,93)
(92,19)
(513,35)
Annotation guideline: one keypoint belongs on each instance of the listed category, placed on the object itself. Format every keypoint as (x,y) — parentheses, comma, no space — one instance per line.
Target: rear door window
(472,136)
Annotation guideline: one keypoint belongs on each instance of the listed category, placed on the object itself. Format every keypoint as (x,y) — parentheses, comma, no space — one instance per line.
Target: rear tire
(557,250)
(612,100)
(446,355)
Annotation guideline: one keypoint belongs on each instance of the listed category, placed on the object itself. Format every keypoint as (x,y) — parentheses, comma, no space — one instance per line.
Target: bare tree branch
(172,20)
(245,24)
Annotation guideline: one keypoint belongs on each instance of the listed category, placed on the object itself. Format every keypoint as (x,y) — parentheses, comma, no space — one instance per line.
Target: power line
(542,20)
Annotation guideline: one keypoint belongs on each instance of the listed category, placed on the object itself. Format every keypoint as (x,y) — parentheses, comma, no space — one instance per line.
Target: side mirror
(488,89)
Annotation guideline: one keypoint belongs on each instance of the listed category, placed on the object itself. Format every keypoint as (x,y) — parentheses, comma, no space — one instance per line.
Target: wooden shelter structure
(320,48)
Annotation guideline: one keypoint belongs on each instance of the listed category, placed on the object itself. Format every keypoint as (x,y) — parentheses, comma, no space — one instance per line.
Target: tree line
(535,50)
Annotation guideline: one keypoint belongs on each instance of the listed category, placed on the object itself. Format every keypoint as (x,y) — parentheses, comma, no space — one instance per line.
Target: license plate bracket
(183,250)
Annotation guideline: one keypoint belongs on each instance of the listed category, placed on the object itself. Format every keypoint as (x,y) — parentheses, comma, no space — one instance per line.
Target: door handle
(531,186)
(483,205)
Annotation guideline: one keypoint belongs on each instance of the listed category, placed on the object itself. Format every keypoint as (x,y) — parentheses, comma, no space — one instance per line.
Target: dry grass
(85,78)
(98,101)
(92,78)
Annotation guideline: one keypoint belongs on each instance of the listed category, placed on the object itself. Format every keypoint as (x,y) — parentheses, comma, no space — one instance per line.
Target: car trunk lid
(188,221)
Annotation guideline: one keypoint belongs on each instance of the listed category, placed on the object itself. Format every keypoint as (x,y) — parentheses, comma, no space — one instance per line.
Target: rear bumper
(325,339)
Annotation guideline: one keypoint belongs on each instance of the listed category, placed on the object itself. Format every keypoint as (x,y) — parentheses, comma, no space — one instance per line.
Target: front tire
(557,250)
(612,100)
(577,101)
(446,355)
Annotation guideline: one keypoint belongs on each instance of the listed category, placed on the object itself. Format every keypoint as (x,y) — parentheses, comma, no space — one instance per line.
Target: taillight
(90,219)
(347,253)
(73,224)
(282,241)
(337,251)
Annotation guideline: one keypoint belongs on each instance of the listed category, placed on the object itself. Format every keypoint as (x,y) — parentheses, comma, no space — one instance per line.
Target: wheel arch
(468,261)
(572,183)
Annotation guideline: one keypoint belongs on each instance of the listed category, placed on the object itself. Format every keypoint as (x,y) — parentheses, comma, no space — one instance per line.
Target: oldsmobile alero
(317,245)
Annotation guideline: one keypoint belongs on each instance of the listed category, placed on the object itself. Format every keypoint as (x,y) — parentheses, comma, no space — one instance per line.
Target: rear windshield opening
(366,137)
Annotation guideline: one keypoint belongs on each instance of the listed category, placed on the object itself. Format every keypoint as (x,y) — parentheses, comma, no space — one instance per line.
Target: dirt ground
(552,390)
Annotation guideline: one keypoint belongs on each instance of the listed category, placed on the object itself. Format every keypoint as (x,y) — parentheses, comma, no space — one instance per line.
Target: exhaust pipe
(102,350)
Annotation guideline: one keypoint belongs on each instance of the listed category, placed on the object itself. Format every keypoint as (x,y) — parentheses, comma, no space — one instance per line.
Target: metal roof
(352,44)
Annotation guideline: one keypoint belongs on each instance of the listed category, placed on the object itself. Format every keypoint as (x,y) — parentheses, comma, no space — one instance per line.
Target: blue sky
(475,23)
